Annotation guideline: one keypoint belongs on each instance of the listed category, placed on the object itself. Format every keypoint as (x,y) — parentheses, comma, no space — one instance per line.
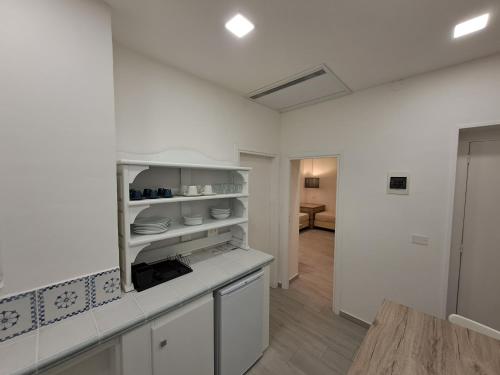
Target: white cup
(207,189)
(192,190)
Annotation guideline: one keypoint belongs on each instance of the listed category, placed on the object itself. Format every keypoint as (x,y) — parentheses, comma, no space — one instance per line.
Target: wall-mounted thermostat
(398,183)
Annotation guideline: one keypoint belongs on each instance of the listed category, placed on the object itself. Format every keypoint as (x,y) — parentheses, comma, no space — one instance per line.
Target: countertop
(407,342)
(212,269)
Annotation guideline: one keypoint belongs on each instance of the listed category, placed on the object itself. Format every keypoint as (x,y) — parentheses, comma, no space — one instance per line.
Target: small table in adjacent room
(311,209)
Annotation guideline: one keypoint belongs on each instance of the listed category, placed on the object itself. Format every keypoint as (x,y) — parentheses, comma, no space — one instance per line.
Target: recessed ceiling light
(239,26)
(470,26)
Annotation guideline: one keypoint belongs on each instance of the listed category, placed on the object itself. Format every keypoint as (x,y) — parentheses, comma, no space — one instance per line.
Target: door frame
(274,204)
(286,228)
(449,252)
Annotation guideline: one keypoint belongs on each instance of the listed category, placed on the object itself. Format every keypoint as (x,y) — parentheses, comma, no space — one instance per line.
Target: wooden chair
(474,326)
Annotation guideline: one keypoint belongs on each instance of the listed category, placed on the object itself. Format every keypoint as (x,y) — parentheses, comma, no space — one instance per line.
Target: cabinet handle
(163,343)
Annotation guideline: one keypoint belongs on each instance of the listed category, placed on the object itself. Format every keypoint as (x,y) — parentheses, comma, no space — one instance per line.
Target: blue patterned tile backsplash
(24,312)
(17,315)
(59,301)
(105,287)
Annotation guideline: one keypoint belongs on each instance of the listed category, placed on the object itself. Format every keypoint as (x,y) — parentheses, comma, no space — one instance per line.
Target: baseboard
(354,319)
(325,229)
(280,284)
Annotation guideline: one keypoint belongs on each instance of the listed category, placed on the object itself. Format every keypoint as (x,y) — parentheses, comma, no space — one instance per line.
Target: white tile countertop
(212,269)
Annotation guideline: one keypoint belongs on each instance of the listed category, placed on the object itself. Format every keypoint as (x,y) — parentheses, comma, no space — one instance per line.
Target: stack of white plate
(193,220)
(220,213)
(151,225)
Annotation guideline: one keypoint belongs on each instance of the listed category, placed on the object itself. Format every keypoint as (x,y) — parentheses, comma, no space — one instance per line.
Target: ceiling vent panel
(309,87)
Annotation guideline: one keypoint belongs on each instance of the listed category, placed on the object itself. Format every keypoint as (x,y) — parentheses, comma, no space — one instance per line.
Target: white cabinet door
(101,360)
(136,351)
(183,340)
(239,325)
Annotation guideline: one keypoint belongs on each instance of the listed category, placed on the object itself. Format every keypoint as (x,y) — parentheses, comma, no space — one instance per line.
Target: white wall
(57,143)
(326,170)
(409,125)
(159,108)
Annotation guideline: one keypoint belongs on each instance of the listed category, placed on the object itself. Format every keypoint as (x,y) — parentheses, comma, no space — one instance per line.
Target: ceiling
(365,42)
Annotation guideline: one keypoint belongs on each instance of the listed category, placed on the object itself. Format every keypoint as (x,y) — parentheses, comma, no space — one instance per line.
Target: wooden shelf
(178,230)
(180,199)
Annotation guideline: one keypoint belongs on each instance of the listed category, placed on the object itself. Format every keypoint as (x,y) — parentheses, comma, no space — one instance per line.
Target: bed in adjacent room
(325,220)
(303,220)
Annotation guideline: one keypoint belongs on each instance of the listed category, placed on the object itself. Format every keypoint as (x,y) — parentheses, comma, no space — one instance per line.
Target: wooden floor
(307,338)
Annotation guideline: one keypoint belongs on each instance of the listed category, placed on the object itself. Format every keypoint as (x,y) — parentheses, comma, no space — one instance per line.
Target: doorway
(312,233)
(475,254)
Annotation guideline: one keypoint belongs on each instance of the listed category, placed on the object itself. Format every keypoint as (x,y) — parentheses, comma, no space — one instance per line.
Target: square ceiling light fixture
(239,25)
(470,26)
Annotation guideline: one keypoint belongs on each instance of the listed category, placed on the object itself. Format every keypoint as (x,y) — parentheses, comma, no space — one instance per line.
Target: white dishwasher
(238,325)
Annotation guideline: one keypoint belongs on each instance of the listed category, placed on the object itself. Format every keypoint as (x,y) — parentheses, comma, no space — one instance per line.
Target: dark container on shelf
(135,195)
(142,276)
(145,276)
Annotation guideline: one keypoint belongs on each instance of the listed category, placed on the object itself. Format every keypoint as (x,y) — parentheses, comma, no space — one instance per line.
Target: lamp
(311,182)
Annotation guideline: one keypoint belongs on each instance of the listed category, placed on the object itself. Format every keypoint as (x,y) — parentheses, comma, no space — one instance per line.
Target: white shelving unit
(179,230)
(179,238)
(178,199)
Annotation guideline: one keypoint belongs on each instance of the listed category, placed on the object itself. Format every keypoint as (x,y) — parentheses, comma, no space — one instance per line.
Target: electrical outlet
(212,232)
(419,239)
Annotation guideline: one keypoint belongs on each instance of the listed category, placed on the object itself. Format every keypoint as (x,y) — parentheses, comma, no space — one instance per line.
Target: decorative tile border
(24,312)
(60,301)
(18,315)
(105,287)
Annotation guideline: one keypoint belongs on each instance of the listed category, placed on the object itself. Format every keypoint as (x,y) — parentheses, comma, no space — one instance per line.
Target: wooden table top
(311,205)
(403,341)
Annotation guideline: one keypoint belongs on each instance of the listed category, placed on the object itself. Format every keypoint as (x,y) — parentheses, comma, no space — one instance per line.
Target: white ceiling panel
(310,86)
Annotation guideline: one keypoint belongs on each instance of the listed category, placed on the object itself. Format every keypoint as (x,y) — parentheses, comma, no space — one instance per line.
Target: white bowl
(193,220)
(220,216)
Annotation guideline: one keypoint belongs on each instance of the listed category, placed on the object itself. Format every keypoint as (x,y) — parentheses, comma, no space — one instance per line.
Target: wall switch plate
(212,232)
(419,239)
(398,183)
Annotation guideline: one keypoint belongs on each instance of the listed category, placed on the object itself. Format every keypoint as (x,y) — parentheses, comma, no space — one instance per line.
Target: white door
(260,205)
(479,286)
(183,340)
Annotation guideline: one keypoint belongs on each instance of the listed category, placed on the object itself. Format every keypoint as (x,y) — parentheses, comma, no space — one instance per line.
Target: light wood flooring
(306,337)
